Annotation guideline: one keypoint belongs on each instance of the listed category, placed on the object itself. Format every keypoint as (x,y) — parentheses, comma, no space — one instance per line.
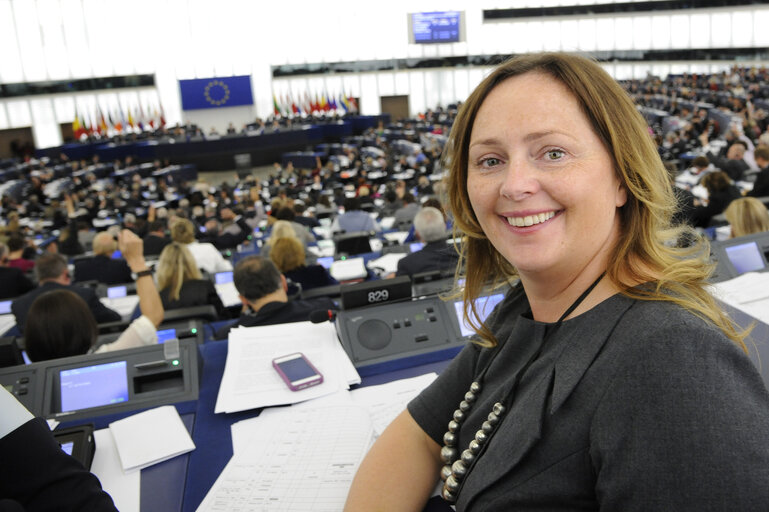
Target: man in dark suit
(101,267)
(13,282)
(156,240)
(263,292)
(733,164)
(761,185)
(430,228)
(225,240)
(53,274)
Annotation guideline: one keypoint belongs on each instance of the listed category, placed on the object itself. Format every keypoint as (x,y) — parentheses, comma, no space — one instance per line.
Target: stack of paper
(250,381)
(748,292)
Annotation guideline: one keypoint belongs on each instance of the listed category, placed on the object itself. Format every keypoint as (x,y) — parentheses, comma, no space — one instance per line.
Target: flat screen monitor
(223,277)
(326,261)
(93,386)
(115,292)
(436,27)
(745,257)
(483,305)
(416,246)
(166,334)
(5,307)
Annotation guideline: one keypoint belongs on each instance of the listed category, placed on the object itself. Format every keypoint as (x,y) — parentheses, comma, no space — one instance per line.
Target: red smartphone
(297,371)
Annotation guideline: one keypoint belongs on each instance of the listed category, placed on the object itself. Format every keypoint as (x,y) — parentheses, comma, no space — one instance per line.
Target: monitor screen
(166,334)
(67,447)
(436,27)
(5,307)
(745,257)
(93,386)
(326,261)
(223,277)
(416,246)
(484,306)
(114,292)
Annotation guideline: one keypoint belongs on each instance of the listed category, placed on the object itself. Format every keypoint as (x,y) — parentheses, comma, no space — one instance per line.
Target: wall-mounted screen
(436,27)
(93,386)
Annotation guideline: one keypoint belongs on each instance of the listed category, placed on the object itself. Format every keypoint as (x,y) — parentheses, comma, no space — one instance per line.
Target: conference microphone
(322,315)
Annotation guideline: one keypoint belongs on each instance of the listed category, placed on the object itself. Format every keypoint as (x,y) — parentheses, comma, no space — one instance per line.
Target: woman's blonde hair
(747,215)
(281,229)
(175,266)
(288,254)
(644,252)
(183,231)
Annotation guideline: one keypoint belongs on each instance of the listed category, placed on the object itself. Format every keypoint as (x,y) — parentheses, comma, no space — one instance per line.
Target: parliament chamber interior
(236,243)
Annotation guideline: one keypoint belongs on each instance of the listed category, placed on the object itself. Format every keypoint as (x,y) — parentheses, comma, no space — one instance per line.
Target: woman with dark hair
(181,283)
(608,378)
(60,324)
(721,192)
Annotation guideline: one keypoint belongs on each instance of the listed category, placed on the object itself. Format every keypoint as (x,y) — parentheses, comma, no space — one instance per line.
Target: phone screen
(297,369)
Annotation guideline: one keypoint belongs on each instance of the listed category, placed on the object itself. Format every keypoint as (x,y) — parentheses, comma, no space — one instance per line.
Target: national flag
(78,127)
(343,103)
(332,102)
(140,119)
(102,123)
(307,103)
(294,108)
(323,103)
(131,120)
(115,122)
(275,106)
(353,104)
(152,122)
(162,117)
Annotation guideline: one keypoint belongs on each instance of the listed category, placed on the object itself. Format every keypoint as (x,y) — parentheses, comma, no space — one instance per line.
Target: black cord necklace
(455,468)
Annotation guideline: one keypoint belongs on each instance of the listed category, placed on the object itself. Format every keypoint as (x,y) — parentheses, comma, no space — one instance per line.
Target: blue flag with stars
(217,92)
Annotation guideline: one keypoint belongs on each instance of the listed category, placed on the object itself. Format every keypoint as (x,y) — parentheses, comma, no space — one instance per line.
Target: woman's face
(540,181)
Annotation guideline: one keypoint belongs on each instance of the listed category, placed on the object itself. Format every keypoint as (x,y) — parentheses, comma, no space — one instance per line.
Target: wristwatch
(142,273)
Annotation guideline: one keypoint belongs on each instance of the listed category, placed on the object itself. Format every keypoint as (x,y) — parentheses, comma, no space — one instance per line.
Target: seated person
(289,256)
(36,473)
(53,274)
(430,228)
(406,213)
(721,192)
(181,284)
(747,215)
(13,282)
(303,233)
(60,324)
(354,219)
(223,239)
(101,267)
(155,240)
(207,257)
(262,290)
(16,259)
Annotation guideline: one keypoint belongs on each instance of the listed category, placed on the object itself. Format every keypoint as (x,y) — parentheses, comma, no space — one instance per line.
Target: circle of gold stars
(211,85)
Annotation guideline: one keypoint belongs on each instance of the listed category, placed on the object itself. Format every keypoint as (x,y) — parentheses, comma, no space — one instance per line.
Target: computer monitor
(483,305)
(166,334)
(5,307)
(93,386)
(416,246)
(326,261)
(223,277)
(746,257)
(115,292)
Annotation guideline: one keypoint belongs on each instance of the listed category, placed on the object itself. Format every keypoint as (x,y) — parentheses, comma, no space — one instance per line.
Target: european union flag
(217,92)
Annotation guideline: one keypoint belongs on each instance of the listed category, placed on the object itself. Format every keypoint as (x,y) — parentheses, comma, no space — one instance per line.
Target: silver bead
(448,495)
(459,470)
(487,427)
(464,406)
(449,439)
(453,426)
(446,471)
(468,457)
(499,409)
(493,419)
(449,454)
(481,437)
(452,485)
(470,397)
(476,387)
(475,446)
(459,416)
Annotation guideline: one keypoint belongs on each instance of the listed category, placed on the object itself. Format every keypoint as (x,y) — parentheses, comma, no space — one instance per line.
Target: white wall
(179,39)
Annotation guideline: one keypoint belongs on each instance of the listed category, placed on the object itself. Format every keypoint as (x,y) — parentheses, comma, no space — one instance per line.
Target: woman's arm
(399,472)
(150,304)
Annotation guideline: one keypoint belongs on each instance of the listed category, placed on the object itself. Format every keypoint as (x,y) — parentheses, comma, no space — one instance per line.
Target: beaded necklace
(455,468)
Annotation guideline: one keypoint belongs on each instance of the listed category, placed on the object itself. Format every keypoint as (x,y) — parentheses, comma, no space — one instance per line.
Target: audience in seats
(733,164)
(53,274)
(180,283)
(13,282)
(16,257)
(354,219)
(263,292)
(61,324)
(101,266)
(207,257)
(289,256)
(721,192)
(437,254)
(747,215)
(761,185)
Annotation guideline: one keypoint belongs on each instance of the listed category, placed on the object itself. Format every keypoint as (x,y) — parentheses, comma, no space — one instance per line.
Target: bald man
(101,267)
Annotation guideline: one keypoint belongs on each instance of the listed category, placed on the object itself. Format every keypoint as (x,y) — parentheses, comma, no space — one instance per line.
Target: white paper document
(298,459)
(124,306)
(388,263)
(150,437)
(748,292)
(250,381)
(124,488)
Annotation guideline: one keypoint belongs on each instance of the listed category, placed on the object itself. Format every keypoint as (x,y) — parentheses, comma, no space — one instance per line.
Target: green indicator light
(194,331)
(175,362)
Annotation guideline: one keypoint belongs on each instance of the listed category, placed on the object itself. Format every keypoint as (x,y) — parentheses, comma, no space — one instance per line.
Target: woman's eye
(554,154)
(489,162)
